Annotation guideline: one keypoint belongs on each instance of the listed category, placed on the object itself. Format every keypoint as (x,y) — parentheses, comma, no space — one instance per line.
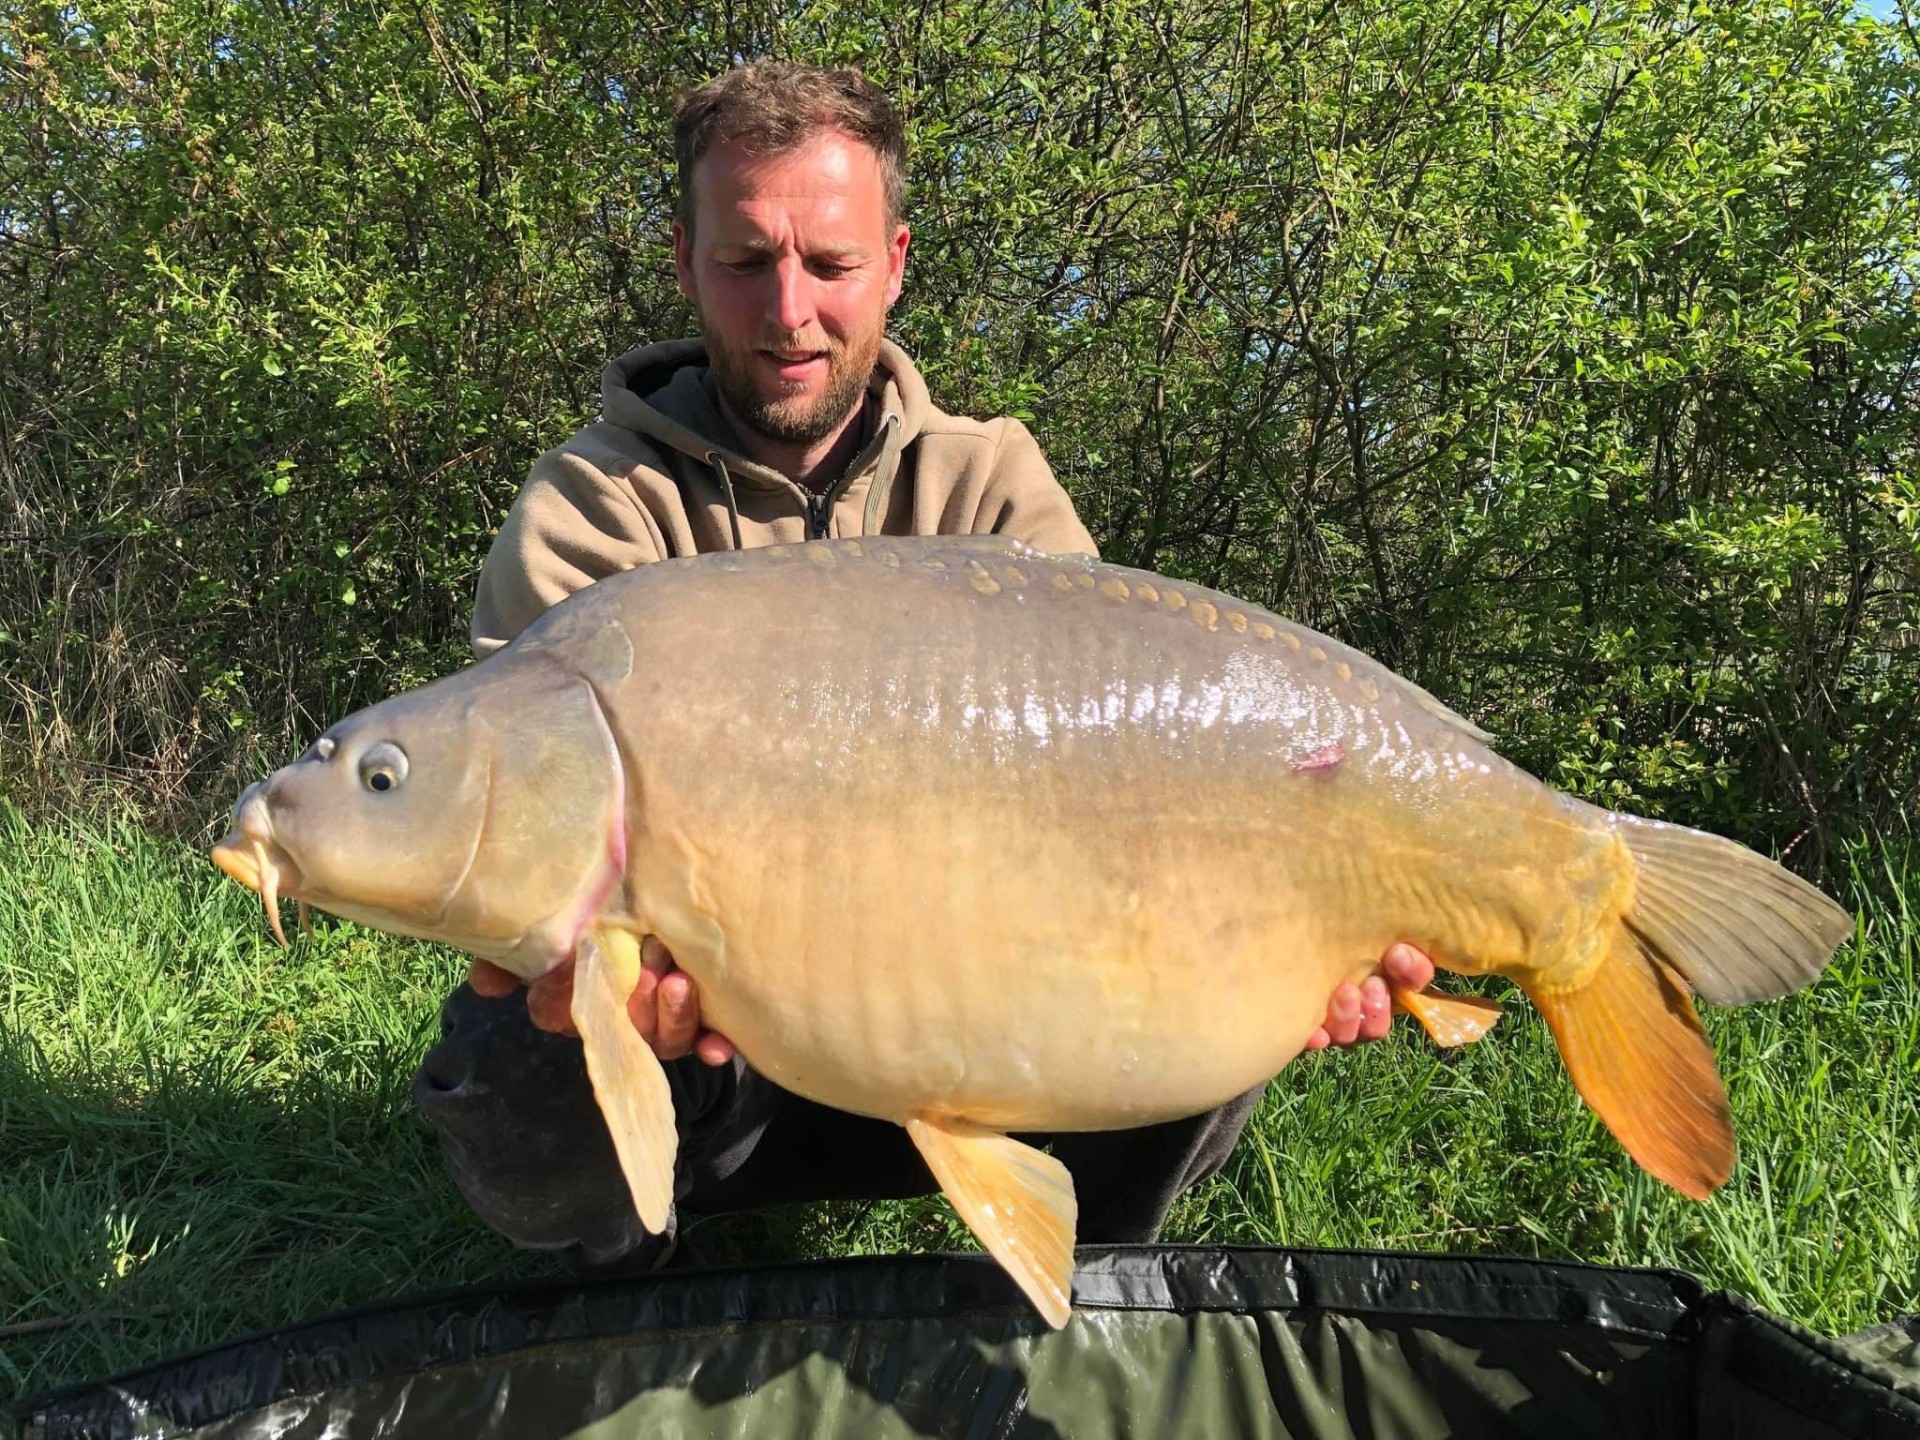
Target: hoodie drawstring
(882,476)
(885,467)
(719,464)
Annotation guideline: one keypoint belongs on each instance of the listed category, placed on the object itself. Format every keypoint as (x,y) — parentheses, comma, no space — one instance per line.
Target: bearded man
(791,418)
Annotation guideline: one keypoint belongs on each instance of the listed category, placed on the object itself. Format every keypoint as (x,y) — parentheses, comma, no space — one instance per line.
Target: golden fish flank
(926,835)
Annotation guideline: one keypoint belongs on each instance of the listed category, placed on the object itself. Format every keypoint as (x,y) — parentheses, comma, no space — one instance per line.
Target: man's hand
(664,1006)
(1358,1013)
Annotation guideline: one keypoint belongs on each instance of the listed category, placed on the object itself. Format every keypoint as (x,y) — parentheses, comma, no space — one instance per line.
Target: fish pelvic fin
(1017,1200)
(628,1082)
(1738,927)
(1639,1057)
(1449,1019)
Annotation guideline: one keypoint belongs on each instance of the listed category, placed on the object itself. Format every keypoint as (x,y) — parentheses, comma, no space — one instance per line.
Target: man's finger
(643,1006)
(1407,967)
(1343,1014)
(1376,1009)
(489,981)
(713,1047)
(654,955)
(679,1017)
(550,1001)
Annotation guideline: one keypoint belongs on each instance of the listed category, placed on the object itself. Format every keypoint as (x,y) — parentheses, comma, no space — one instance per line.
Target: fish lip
(237,855)
(233,856)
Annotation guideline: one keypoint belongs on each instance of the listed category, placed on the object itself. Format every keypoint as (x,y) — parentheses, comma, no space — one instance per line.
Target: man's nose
(790,305)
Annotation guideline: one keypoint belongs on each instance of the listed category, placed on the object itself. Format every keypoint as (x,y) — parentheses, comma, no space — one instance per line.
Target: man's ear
(897,262)
(683,261)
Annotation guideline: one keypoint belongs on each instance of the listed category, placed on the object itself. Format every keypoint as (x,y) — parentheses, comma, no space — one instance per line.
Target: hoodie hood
(654,478)
(666,392)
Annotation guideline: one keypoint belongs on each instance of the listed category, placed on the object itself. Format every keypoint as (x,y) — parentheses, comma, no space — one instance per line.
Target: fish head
(485,811)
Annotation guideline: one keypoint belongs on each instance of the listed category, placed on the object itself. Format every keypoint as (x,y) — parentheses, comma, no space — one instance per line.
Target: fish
(980,841)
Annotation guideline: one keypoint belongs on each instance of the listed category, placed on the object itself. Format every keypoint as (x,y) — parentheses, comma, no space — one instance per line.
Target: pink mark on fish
(1325,758)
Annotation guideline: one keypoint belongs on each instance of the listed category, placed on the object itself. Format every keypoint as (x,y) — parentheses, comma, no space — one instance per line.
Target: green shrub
(1563,357)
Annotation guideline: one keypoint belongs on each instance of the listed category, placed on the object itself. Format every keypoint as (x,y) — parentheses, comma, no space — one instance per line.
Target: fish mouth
(248,853)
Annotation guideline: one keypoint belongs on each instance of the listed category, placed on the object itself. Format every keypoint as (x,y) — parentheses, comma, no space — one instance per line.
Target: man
(792,418)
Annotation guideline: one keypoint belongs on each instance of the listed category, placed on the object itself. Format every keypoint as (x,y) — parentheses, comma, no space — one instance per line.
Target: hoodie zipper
(819,509)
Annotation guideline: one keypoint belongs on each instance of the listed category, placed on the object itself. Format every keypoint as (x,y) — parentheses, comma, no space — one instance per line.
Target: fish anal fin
(628,1082)
(1450,1019)
(1637,1053)
(1017,1200)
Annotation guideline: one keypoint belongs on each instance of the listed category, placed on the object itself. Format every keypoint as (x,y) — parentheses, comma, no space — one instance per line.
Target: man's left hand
(1363,1012)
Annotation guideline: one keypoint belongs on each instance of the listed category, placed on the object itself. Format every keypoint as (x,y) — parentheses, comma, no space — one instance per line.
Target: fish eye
(384,767)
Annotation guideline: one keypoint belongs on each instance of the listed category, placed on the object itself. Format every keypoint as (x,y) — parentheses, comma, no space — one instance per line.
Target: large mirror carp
(975,839)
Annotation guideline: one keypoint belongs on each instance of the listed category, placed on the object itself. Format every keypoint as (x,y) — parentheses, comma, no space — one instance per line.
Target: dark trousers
(530,1152)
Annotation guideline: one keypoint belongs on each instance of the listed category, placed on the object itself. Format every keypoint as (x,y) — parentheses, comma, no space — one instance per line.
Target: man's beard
(795,420)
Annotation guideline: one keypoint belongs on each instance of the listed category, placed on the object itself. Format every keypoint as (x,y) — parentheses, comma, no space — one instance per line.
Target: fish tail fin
(1733,924)
(1708,917)
(1637,1054)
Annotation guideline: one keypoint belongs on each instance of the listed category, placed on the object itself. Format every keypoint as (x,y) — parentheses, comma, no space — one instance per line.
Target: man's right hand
(664,1006)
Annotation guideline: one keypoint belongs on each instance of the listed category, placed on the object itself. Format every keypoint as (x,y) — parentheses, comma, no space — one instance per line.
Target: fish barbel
(975,839)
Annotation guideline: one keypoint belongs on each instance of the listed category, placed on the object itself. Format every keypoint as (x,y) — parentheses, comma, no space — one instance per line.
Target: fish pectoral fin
(628,1082)
(1017,1200)
(1450,1019)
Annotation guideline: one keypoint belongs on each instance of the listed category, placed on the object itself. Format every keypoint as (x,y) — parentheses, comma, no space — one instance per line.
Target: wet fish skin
(851,758)
(975,839)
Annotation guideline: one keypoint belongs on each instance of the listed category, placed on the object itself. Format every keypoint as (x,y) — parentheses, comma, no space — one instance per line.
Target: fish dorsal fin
(1017,1200)
(628,1082)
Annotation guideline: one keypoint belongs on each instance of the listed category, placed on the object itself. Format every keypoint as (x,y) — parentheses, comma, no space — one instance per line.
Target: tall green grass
(202,1135)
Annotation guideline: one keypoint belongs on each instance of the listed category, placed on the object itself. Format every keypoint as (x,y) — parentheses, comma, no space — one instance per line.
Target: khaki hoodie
(661,475)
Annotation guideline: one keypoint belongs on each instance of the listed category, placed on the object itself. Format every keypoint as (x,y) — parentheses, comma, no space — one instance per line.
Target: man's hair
(773,106)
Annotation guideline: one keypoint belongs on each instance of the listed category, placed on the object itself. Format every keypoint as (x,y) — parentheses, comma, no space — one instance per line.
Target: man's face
(792,266)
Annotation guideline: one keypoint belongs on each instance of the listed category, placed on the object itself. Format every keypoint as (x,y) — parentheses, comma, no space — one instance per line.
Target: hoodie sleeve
(1024,501)
(571,525)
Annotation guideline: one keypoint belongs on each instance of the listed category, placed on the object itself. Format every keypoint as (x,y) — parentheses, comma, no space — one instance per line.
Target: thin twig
(61,1322)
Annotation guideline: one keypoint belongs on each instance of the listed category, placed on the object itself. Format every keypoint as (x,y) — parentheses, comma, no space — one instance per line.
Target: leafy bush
(1563,357)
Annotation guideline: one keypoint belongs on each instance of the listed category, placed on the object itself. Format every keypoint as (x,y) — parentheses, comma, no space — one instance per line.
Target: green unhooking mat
(1165,1341)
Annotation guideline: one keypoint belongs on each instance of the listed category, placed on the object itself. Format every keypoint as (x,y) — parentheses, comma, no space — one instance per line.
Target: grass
(202,1135)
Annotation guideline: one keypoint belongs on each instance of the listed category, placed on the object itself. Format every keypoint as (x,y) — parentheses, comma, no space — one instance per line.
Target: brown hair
(771,106)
